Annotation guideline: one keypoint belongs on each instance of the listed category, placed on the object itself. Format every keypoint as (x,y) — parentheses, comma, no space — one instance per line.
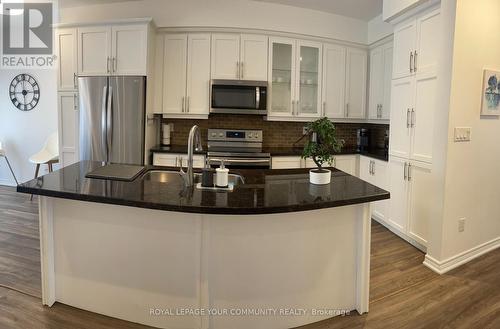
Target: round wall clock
(24,92)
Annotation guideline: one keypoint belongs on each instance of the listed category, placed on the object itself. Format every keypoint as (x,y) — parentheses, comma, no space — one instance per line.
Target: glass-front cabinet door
(282,76)
(309,79)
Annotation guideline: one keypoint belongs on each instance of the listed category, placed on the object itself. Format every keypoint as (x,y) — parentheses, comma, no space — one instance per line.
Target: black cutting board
(117,172)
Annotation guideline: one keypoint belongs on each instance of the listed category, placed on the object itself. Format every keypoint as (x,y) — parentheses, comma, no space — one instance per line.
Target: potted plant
(320,147)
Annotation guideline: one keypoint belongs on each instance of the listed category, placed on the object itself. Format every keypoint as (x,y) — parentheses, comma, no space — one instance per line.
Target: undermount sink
(170,176)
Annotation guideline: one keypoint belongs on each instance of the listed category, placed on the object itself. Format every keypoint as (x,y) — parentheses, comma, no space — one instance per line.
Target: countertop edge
(202,210)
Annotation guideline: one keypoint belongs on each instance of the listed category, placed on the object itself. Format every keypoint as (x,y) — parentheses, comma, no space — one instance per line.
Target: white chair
(48,155)
(3,154)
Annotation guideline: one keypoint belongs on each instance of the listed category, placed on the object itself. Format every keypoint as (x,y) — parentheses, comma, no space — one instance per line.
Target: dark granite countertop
(264,191)
(376,153)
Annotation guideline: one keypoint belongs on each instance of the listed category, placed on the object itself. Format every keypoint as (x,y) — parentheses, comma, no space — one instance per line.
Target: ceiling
(360,9)
(81,3)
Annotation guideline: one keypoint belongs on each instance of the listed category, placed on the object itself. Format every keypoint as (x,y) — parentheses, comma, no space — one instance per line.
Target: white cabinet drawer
(175,160)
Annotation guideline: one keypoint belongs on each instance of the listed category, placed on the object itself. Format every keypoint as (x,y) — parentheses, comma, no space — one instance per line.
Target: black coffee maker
(363,139)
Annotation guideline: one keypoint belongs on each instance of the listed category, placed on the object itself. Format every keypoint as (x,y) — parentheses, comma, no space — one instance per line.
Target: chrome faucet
(194,141)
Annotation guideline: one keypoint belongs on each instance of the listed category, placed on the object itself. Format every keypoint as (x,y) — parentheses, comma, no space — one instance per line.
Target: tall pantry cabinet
(413,104)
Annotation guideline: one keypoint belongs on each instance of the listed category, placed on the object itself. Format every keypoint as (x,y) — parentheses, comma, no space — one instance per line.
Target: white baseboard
(400,234)
(450,263)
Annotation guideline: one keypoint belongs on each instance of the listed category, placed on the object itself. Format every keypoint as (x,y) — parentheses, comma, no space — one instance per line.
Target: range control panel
(235,135)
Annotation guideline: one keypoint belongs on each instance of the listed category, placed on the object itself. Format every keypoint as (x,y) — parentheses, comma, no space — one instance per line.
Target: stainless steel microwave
(239,97)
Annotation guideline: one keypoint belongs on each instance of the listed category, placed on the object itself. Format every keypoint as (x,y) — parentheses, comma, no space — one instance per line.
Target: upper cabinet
(239,56)
(295,71)
(357,64)
(113,50)
(416,46)
(94,50)
(380,82)
(186,75)
(66,51)
(334,69)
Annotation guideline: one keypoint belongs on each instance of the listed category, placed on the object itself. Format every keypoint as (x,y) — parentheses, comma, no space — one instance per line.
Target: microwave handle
(257,97)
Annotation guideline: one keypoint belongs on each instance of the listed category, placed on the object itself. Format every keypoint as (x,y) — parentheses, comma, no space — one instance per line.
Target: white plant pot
(320,177)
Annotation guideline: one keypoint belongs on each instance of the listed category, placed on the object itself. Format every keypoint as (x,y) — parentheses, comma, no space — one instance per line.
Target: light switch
(462,134)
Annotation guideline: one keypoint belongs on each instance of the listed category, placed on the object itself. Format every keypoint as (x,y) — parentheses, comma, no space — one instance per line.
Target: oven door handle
(257,98)
(229,161)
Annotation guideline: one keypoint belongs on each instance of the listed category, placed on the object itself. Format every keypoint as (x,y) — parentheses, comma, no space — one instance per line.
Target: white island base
(142,265)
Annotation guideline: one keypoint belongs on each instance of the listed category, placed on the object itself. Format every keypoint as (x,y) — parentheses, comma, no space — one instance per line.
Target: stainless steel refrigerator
(112,114)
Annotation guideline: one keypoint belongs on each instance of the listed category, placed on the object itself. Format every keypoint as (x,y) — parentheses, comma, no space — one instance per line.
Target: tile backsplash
(276,133)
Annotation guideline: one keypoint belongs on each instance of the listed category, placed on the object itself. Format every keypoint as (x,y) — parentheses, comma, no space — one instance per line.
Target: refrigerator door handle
(109,123)
(103,121)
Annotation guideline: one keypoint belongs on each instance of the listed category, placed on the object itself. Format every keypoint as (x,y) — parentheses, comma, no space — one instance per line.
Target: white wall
(472,183)
(24,133)
(227,13)
(378,29)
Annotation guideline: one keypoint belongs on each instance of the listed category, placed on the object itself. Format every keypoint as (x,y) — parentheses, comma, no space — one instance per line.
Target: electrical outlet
(304,130)
(462,134)
(461,225)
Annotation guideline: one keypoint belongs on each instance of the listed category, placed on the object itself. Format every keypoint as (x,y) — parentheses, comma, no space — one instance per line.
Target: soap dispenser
(207,176)
(222,174)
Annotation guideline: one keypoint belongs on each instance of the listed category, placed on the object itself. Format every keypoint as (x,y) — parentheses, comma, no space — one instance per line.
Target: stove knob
(221,135)
(214,134)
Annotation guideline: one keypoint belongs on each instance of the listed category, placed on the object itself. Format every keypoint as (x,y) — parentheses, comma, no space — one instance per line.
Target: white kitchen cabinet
(286,162)
(239,56)
(186,74)
(174,73)
(402,102)
(282,66)
(356,78)
(113,50)
(346,163)
(334,69)
(94,50)
(380,82)
(66,51)
(129,49)
(177,160)
(416,45)
(375,172)
(198,74)
(398,187)
(68,127)
(409,183)
(295,70)
(253,57)
(226,56)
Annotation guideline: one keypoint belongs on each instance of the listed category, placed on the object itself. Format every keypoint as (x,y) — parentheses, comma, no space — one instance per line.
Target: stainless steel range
(238,148)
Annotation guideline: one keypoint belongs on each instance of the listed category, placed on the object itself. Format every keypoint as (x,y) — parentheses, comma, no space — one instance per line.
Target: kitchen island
(276,252)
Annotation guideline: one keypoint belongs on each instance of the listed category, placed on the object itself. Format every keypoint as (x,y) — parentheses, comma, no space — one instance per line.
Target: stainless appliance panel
(126,119)
(92,118)
(238,97)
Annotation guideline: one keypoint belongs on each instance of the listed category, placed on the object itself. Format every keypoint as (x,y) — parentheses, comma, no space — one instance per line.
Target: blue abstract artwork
(491,93)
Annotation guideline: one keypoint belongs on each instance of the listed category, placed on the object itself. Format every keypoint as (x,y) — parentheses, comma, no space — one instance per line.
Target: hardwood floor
(403,293)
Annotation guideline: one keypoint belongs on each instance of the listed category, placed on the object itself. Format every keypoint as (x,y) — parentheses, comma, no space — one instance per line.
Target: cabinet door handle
(335,162)
(183,104)
(404,173)
(408,118)
(74,81)
(370,168)
(107,65)
(409,171)
(347,109)
(188,104)
(411,61)
(114,65)
(381,109)
(75,102)
(415,62)
(238,69)
(324,109)
(241,70)
(412,119)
